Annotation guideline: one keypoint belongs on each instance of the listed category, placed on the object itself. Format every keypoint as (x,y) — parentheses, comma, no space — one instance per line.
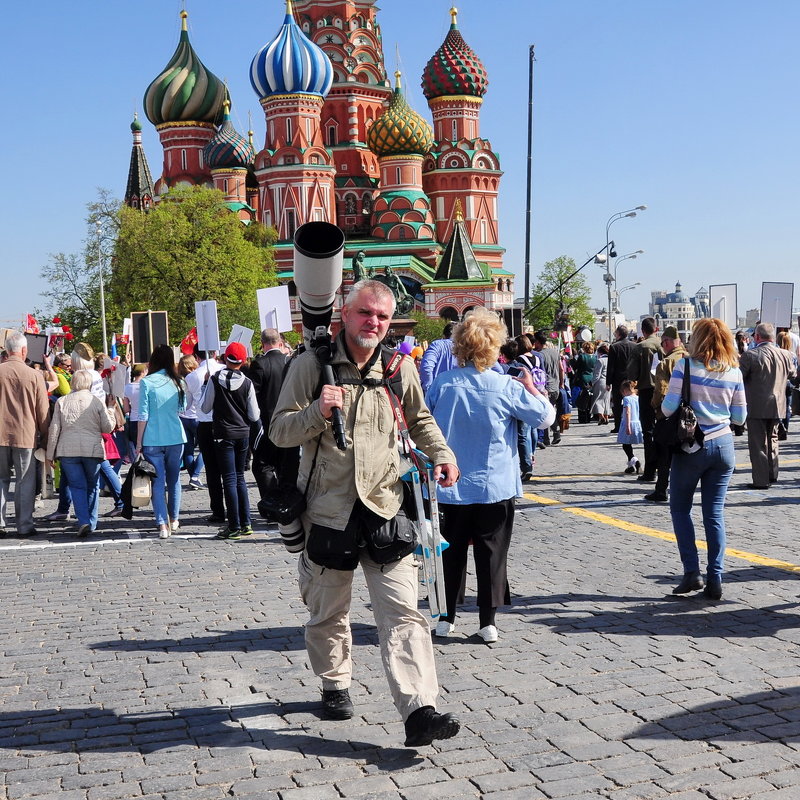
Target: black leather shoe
(655,497)
(713,590)
(647,478)
(426,724)
(692,581)
(336,704)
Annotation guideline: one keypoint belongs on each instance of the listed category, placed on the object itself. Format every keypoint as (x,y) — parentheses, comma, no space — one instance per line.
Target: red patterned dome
(454,69)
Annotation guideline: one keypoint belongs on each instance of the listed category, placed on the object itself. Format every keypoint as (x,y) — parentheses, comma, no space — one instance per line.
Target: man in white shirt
(195,383)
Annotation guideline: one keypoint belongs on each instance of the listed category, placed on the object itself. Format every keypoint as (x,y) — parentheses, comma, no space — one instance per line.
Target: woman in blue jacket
(477,409)
(160,435)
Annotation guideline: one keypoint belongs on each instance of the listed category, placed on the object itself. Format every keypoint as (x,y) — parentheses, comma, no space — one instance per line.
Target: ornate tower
(184,102)
(295,172)
(400,138)
(461,165)
(139,192)
(229,155)
(348,33)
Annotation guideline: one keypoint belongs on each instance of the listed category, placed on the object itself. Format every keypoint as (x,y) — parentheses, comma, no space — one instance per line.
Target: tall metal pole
(530,173)
(102,287)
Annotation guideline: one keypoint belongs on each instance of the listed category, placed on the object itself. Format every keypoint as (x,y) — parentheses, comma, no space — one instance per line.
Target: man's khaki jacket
(662,376)
(369,469)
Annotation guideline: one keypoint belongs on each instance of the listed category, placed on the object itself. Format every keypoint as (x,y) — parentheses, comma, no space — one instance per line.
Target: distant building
(675,308)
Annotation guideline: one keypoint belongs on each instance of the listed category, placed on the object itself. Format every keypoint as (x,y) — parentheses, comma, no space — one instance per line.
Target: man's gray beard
(367,341)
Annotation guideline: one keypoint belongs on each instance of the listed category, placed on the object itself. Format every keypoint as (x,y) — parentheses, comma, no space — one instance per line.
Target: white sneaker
(488,634)
(443,628)
(164,532)
(175,524)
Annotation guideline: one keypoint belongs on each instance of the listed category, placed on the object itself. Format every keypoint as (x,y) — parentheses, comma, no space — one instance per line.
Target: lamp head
(641,208)
(613,253)
(631,214)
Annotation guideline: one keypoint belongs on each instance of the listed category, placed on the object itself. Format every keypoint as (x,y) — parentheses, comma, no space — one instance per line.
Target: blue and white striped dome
(291,64)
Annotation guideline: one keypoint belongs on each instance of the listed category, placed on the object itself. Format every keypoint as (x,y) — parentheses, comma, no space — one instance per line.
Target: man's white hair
(16,342)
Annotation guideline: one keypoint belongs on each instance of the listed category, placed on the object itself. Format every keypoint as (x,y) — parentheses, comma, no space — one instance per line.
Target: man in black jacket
(272,466)
(617,370)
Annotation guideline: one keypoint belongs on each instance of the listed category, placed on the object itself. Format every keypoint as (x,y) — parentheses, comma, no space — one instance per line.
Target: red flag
(189,342)
(31,325)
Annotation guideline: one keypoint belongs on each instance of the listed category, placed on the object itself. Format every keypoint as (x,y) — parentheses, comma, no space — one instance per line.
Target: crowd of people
(329,453)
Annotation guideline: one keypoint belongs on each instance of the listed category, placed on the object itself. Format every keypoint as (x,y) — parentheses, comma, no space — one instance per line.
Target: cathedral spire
(139,192)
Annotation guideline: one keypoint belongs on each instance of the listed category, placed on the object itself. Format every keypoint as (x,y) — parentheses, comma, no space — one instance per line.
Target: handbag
(680,428)
(142,482)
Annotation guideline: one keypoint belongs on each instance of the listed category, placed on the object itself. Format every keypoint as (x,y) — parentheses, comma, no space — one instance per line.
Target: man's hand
(446,474)
(330,398)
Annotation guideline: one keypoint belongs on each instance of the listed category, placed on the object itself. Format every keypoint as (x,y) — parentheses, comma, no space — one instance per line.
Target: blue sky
(689,107)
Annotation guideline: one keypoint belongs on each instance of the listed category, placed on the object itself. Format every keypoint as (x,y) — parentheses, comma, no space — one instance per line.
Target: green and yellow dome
(185,91)
(400,130)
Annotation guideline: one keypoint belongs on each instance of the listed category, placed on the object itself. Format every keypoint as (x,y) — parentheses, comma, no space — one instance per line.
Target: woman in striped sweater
(717,398)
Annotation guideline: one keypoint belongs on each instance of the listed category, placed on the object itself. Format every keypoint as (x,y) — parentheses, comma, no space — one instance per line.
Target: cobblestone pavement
(137,668)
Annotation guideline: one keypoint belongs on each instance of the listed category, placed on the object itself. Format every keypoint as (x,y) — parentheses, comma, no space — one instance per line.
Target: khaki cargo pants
(403,632)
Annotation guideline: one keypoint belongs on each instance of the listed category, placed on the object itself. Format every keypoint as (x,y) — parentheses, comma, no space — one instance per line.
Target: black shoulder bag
(681,428)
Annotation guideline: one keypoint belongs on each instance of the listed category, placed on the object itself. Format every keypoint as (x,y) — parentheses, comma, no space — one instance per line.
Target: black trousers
(647,417)
(488,526)
(663,462)
(205,442)
(616,405)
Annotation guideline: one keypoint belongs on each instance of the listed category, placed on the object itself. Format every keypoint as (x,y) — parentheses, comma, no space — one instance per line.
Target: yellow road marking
(743,465)
(622,524)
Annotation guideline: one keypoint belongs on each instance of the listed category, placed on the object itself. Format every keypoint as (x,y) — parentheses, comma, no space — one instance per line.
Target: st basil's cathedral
(343,145)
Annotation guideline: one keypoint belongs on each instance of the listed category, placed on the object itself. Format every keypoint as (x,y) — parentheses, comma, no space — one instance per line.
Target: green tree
(555,289)
(73,279)
(427,329)
(188,248)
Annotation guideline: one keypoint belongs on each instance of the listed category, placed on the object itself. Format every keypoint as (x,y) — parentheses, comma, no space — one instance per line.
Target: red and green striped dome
(399,130)
(454,69)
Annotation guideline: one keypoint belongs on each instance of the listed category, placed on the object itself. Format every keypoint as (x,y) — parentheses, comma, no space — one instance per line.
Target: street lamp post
(102,286)
(609,279)
(617,295)
(633,255)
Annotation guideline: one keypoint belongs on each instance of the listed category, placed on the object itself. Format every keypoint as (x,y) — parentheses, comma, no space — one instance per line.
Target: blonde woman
(478,409)
(75,437)
(193,465)
(718,400)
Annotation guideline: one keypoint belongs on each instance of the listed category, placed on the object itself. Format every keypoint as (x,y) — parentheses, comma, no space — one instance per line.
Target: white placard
(205,314)
(776,303)
(723,303)
(410,339)
(242,335)
(119,379)
(274,310)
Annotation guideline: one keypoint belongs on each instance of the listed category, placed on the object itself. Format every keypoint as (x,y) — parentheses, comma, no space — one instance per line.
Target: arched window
(366,204)
(449,313)
(183,161)
(350,204)
(332,138)
(288,130)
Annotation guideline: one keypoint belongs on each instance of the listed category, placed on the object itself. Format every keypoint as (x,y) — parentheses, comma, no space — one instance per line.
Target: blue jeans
(524,447)
(712,468)
(64,494)
(82,474)
(110,477)
(194,466)
(167,461)
(231,458)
